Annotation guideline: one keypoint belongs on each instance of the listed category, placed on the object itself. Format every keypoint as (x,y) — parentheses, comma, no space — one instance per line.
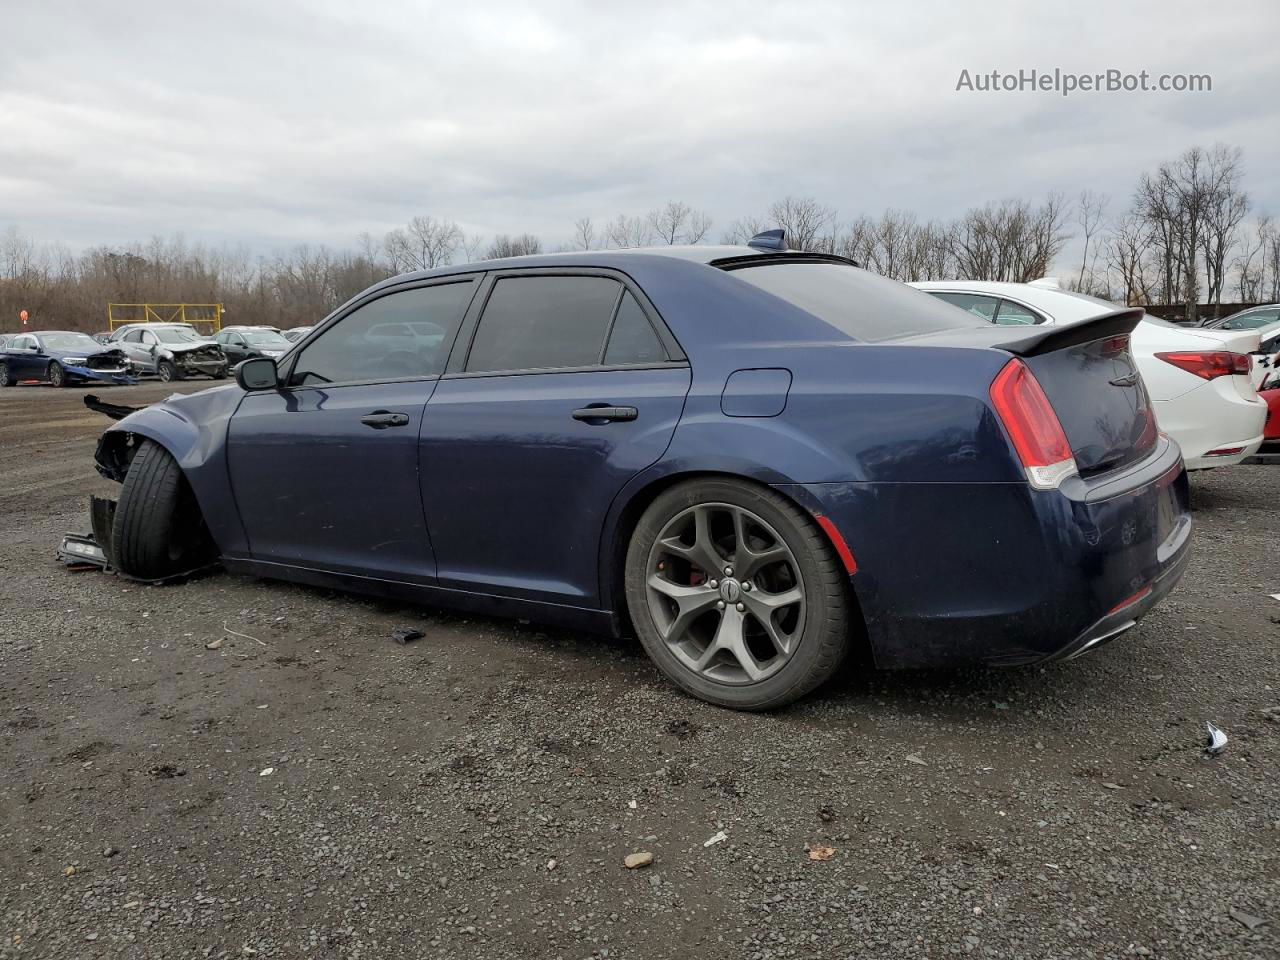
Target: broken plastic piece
(1217,739)
(720,837)
(80,551)
(116,411)
(406,635)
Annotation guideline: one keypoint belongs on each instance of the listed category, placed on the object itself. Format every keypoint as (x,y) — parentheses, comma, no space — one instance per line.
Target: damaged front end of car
(198,358)
(117,448)
(108,366)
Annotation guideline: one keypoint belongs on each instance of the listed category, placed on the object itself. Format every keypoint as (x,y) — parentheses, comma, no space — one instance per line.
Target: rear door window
(632,339)
(543,322)
(856,302)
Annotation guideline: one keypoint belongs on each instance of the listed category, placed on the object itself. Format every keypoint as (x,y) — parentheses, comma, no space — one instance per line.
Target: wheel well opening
(630,516)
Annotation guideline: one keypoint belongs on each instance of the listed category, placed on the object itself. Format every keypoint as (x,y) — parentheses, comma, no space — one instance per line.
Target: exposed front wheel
(736,594)
(167,371)
(57,376)
(158,531)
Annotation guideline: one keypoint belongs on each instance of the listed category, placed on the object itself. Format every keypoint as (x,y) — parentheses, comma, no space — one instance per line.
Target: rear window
(856,302)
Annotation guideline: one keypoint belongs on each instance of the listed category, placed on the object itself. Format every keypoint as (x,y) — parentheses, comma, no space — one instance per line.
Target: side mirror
(257,374)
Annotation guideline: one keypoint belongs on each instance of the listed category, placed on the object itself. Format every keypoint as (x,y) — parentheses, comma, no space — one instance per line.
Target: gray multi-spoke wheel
(736,594)
(726,593)
(57,376)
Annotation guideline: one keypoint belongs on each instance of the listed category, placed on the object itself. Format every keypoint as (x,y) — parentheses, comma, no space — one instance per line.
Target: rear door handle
(381,419)
(604,414)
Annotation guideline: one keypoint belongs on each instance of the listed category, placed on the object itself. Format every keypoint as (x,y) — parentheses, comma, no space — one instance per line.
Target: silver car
(171,351)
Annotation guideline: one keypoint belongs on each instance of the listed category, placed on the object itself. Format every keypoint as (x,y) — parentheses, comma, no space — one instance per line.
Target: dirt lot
(320,791)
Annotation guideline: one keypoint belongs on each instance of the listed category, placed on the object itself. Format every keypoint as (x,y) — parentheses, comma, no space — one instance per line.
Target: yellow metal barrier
(119,314)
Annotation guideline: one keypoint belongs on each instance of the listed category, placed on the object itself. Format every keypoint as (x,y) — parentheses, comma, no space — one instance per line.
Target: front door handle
(381,419)
(603,414)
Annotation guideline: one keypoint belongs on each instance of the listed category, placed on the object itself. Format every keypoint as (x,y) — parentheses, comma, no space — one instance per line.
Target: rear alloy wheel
(736,594)
(5,379)
(167,371)
(57,376)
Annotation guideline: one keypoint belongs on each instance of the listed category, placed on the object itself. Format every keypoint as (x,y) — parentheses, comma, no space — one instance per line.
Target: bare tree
(809,225)
(584,234)
(423,244)
(740,231)
(1224,209)
(677,222)
(506,246)
(629,232)
(1090,208)
(1127,251)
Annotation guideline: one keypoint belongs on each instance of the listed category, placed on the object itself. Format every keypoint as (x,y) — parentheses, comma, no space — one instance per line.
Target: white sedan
(1198,379)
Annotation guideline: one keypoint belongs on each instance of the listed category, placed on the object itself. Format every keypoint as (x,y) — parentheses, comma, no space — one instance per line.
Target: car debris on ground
(1217,739)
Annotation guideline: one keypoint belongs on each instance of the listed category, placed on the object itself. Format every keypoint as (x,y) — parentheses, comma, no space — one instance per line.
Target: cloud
(289,122)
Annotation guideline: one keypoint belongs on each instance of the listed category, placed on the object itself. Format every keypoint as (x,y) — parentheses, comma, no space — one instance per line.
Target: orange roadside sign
(22,315)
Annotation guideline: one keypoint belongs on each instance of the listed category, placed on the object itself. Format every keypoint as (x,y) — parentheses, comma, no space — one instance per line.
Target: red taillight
(1033,427)
(1209,364)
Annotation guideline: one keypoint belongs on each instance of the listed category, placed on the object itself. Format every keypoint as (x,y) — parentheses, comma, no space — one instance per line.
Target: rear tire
(57,376)
(807,570)
(158,531)
(5,379)
(167,372)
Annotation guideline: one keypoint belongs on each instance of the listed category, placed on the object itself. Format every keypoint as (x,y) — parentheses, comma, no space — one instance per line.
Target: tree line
(1188,235)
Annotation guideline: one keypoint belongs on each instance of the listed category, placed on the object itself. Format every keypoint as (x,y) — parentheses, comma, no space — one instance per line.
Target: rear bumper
(959,573)
(1213,416)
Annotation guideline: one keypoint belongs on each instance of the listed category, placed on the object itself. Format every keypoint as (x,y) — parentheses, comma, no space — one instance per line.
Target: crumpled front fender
(193,428)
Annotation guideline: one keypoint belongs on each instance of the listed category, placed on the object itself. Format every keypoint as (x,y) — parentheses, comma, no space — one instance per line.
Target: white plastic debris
(267,772)
(720,837)
(1217,740)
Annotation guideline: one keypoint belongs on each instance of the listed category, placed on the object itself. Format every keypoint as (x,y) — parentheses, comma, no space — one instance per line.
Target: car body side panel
(516,489)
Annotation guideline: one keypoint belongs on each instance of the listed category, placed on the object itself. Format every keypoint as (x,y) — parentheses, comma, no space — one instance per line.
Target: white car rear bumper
(1213,416)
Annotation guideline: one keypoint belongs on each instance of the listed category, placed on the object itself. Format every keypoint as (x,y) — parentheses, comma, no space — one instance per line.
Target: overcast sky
(271,123)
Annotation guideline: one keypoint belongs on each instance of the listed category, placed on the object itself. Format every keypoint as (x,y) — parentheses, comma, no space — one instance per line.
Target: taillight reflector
(1225,452)
(1129,601)
(1209,365)
(837,541)
(1033,427)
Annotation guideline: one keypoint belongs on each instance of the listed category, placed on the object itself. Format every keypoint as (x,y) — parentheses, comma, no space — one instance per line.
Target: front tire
(167,372)
(776,623)
(56,375)
(158,531)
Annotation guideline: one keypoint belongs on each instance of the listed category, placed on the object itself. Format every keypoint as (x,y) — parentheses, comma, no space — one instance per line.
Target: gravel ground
(313,789)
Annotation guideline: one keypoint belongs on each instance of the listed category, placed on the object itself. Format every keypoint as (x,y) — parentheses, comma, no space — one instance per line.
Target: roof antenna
(769,240)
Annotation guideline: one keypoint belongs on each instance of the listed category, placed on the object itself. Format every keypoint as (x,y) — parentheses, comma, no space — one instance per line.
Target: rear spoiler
(1048,339)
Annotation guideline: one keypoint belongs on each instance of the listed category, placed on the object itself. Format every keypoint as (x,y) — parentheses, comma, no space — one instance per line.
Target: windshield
(71,341)
(178,335)
(856,302)
(265,338)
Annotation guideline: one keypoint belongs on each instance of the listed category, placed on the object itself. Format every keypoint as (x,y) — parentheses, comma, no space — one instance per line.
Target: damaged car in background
(61,358)
(171,351)
(754,459)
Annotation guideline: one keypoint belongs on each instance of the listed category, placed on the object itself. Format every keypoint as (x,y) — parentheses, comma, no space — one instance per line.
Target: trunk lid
(1087,371)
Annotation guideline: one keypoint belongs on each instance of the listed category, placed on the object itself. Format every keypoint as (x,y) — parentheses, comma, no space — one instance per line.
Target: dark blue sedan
(61,358)
(755,459)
